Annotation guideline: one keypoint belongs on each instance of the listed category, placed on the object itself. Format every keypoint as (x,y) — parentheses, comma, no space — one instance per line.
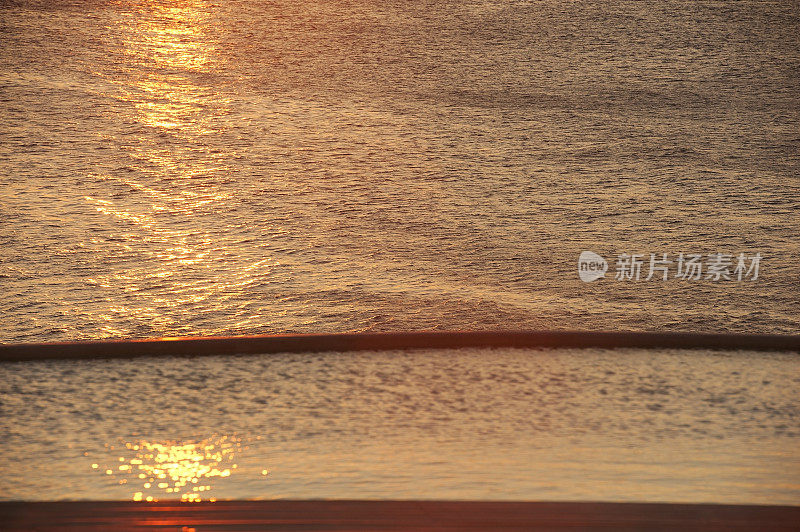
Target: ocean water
(194,167)
(199,167)
(505,424)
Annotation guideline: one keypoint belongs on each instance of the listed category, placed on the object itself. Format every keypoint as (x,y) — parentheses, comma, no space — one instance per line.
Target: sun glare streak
(171,42)
(166,49)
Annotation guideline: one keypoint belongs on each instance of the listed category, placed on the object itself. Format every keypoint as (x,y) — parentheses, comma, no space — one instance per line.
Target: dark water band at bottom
(393,515)
(220,345)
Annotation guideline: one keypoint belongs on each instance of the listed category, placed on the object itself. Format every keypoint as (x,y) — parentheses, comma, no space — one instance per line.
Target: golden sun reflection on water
(165,48)
(173,469)
(168,181)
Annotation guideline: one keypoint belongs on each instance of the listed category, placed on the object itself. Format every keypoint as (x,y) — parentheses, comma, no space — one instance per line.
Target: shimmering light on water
(239,167)
(185,470)
(617,425)
(182,167)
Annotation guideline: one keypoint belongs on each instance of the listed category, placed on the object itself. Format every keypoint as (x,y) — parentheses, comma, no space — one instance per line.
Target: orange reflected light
(184,469)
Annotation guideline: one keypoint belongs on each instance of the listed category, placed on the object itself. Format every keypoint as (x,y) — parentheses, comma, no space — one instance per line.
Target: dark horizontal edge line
(396,515)
(220,345)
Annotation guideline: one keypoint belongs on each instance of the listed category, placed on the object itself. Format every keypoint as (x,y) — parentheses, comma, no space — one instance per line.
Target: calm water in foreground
(621,425)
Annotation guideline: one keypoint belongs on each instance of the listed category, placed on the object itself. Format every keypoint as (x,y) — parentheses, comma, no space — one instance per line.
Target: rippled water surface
(221,167)
(456,424)
(196,167)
